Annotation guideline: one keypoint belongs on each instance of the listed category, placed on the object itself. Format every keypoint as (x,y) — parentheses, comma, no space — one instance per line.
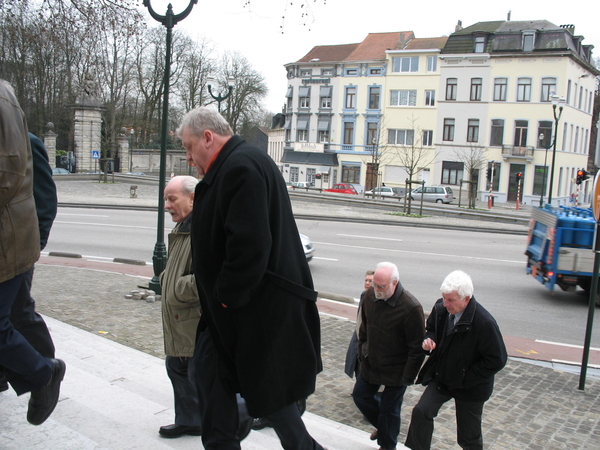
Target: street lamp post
(541,139)
(159,257)
(220,97)
(556,102)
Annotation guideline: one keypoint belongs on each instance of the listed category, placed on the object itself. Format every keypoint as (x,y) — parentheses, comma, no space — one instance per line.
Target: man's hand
(428,345)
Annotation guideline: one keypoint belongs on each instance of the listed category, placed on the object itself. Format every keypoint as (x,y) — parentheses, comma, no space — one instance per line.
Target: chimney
(570,28)
(508,16)
(458,26)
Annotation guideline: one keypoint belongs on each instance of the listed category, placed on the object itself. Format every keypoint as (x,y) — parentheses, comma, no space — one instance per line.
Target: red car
(342,188)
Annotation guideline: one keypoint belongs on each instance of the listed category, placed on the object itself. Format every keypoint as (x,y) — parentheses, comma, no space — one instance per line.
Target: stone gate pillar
(123,153)
(50,143)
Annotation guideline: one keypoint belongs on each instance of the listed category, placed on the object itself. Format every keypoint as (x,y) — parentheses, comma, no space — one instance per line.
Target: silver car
(435,194)
(308,247)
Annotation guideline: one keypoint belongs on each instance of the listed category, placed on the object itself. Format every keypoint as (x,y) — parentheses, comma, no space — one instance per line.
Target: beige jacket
(180,302)
(19,232)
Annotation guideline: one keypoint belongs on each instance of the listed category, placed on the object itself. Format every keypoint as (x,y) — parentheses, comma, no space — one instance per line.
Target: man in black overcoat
(260,331)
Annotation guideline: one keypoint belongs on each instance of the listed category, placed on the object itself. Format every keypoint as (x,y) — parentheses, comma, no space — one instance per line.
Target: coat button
(176,316)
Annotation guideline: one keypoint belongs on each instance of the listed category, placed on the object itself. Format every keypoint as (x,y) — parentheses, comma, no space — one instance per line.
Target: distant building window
(451,88)
(306,73)
(372,128)
(324,136)
(528,40)
(351,72)
(497,134)
(476,89)
(405,64)
(401,137)
(452,172)
(350,98)
(327,72)
(544,130)
(304,102)
(375,71)
(548,88)
(304,97)
(580,96)
(473,130)
(524,90)
(403,98)
(520,133)
(500,85)
(348,133)
(479,44)
(374,95)
(325,102)
(432,63)
(302,135)
(325,95)
(448,130)
(427,138)
(569,92)
(429,98)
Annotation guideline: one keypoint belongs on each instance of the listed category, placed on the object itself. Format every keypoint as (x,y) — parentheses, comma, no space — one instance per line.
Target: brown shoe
(373,436)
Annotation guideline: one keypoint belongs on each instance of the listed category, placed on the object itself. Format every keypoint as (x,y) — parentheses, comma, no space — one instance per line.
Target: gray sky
(271,33)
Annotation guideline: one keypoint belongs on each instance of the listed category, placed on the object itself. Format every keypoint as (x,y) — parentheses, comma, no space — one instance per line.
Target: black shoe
(174,431)
(3,383)
(43,401)
(260,423)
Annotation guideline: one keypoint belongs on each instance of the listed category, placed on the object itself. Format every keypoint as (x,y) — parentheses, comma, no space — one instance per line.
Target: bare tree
(473,158)
(197,67)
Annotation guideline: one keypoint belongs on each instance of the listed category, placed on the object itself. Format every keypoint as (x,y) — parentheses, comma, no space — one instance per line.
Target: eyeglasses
(381,286)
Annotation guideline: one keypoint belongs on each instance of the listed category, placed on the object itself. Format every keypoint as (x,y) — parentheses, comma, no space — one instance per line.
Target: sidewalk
(116,393)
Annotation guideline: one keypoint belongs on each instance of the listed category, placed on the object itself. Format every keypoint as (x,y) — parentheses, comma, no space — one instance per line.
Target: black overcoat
(255,285)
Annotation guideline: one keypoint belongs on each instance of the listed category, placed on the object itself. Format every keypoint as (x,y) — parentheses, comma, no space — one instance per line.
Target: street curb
(135,262)
(65,254)
(337,297)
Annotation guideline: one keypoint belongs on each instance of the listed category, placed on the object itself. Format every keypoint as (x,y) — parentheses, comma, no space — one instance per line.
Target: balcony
(514,151)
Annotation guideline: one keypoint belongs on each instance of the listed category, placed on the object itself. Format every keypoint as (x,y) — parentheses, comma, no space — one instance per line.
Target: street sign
(95,154)
(596,198)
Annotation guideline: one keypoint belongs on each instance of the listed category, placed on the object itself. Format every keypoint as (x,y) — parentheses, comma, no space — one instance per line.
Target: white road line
(572,363)
(80,215)
(325,259)
(370,237)
(107,225)
(560,344)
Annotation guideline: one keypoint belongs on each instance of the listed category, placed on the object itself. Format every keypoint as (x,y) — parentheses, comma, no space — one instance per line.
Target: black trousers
(220,411)
(468,420)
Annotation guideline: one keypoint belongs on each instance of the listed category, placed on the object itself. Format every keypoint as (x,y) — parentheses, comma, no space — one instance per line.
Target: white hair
(459,282)
(188,183)
(395,275)
(204,118)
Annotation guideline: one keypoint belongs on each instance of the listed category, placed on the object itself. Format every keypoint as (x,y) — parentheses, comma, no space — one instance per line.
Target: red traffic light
(582,175)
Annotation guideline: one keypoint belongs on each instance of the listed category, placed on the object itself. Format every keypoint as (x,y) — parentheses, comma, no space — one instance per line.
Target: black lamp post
(547,147)
(556,102)
(220,97)
(159,258)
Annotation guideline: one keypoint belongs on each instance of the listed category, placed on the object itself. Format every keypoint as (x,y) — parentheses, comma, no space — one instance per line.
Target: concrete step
(116,398)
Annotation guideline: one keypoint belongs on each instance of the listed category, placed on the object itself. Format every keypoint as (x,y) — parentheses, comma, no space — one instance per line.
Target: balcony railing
(517,151)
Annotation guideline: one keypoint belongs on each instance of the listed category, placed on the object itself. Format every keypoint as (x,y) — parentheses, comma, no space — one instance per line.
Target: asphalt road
(424,256)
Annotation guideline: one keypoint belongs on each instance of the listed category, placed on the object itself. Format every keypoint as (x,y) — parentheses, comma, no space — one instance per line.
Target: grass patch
(417,216)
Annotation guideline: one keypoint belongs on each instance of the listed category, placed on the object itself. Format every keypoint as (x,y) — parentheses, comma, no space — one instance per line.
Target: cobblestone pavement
(533,407)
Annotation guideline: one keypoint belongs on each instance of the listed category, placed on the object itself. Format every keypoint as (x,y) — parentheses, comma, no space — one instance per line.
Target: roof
(426,43)
(329,52)
(312,158)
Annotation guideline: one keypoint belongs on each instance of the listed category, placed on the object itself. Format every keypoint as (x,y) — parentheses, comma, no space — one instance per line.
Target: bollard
(133,191)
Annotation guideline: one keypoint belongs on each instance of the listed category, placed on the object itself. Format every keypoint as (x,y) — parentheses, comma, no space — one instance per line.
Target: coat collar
(468,313)
(224,153)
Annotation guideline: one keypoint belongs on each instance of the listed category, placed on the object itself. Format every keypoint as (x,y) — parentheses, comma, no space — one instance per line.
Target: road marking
(371,237)
(325,259)
(573,363)
(560,344)
(81,215)
(478,258)
(106,225)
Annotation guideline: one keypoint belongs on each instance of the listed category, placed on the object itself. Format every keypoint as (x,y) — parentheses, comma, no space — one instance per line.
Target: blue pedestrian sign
(95,154)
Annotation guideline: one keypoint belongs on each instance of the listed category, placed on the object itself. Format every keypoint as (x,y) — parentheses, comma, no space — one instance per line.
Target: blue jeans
(383,413)
(25,369)
(187,411)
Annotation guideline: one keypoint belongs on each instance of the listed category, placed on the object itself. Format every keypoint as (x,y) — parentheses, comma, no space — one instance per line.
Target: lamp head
(230,81)
(210,81)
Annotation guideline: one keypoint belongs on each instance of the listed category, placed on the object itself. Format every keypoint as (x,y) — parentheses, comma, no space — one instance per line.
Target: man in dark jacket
(467,350)
(259,334)
(389,347)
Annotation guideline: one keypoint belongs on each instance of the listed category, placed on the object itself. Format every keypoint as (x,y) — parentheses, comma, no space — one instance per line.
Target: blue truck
(559,247)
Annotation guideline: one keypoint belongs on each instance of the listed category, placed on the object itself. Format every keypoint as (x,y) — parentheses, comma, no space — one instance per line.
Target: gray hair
(459,282)
(395,274)
(204,118)
(188,183)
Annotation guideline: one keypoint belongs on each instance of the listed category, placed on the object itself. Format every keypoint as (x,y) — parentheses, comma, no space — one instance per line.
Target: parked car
(308,246)
(342,188)
(302,184)
(385,191)
(139,174)
(360,189)
(60,171)
(436,194)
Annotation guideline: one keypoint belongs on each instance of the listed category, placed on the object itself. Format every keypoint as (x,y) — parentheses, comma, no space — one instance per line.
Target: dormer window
(528,40)
(479,44)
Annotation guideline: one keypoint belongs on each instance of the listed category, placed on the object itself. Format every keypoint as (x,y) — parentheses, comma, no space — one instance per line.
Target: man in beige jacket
(180,309)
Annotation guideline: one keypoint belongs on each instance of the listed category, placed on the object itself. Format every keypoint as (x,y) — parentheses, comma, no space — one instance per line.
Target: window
(473,130)
(524,90)
(374,93)
(327,72)
(323,125)
(452,172)
(451,87)
(479,44)
(580,96)
(304,102)
(427,138)
(350,98)
(576,139)
(375,71)
(310,175)
(403,98)
(348,133)
(540,178)
(325,102)
(325,97)
(520,133)
(569,92)
(294,174)
(528,40)
(405,64)
(544,129)
(289,94)
(350,173)
(302,128)
(401,137)
(372,138)
(500,89)
(497,134)
(323,136)
(351,72)
(476,89)
(448,130)
(302,135)
(432,63)
(548,88)
(429,98)
(304,97)
(306,73)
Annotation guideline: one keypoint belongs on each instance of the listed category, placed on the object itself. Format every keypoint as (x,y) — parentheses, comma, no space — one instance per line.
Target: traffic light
(582,175)
(489,173)
(519,177)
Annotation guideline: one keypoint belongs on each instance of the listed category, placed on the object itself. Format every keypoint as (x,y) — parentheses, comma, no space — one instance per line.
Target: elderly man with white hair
(466,351)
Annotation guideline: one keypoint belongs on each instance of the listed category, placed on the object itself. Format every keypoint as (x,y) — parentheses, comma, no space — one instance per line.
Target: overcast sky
(271,33)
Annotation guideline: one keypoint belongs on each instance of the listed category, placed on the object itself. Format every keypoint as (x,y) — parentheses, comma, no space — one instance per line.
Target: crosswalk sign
(95,154)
